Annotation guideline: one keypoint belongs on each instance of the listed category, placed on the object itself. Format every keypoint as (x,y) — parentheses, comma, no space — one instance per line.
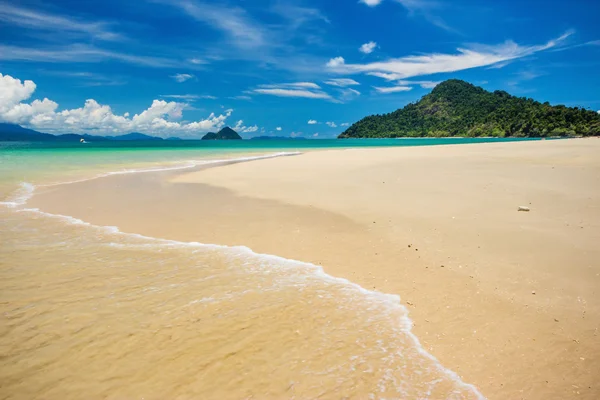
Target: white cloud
(241,30)
(12,91)
(182,77)
(282,92)
(347,94)
(336,62)
(400,81)
(386,76)
(239,127)
(278,128)
(342,82)
(243,97)
(392,89)
(94,118)
(345,124)
(297,15)
(368,48)
(312,122)
(315,134)
(292,85)
(78,53)
(188,97)
(476,56)
(198,61)
(33,19)
(306,85)
(423,84)
(371,3)
(307,90)
(331,124)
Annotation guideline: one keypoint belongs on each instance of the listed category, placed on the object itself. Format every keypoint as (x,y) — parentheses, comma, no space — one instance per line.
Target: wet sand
(507,299)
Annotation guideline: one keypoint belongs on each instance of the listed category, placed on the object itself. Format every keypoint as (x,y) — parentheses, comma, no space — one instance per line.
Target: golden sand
(507,299)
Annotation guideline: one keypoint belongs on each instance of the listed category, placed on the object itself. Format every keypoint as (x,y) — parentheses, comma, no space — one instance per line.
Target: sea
(93,312)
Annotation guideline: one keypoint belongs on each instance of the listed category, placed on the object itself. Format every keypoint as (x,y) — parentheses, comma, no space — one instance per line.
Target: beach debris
(533,292)
(441,266)
(409,303)
(409,245)
(523,208)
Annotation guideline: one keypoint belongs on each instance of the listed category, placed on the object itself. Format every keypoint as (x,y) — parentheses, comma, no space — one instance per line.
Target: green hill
(458,108)
(224,134)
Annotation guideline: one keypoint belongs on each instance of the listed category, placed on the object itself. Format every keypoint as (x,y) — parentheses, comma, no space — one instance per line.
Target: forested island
(458,108)
(224,134)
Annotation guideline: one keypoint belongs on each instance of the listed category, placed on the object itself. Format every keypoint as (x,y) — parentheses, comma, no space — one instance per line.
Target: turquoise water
(46,162)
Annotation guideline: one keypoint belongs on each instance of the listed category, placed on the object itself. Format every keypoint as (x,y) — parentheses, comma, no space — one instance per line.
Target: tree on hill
(458,108)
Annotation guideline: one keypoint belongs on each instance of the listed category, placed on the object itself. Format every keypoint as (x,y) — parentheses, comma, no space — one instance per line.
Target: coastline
(277,206)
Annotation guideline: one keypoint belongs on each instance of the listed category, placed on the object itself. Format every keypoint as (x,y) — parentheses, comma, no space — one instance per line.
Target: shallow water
(90,312)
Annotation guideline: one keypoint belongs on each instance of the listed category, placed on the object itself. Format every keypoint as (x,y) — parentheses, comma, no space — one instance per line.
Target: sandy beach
(507,299)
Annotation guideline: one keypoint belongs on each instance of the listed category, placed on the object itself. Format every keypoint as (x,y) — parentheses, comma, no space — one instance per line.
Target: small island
(224,134)
(456,108)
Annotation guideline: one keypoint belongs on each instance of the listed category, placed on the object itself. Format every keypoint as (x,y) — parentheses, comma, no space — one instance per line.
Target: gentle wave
(26,191)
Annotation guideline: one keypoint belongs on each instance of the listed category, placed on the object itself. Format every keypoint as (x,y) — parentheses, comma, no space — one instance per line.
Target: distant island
(224,134)
(458,108)
(13,132)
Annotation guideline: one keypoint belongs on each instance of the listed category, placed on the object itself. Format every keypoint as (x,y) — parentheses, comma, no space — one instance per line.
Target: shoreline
(432,316)
(19,203)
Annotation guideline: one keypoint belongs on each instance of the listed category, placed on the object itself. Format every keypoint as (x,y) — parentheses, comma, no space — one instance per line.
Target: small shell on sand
(523,208)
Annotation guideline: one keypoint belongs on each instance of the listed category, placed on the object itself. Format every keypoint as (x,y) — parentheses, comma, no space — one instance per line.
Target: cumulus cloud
(367,48)
(331,124)
(345,124)
(336,62)
(312,122)
(392,89)
(239,127)
(161,118)
(278,128)
(341,82)
(316,134)
(182,77)
(465,58)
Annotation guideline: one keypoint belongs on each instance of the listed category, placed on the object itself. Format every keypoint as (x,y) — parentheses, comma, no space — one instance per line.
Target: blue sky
(279,67)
